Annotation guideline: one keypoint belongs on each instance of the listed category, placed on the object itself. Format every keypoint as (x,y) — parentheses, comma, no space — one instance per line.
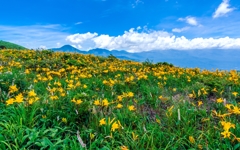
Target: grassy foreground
(51,100)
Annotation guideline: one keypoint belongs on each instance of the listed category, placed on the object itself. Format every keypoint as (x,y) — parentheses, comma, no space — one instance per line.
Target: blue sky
(132,25)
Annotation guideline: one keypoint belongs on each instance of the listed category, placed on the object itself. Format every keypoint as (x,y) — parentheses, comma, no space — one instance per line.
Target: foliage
(9,45)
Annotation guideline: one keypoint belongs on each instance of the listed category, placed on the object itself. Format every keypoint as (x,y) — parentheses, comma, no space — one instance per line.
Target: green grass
(75,101)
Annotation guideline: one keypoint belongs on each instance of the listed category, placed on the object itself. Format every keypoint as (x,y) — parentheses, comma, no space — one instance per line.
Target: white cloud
(137,2)
(77,23)
(222,9)
(134,41)
(190,20)
(180,29)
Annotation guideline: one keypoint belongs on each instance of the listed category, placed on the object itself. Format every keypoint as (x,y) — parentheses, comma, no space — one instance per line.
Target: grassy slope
(10,45)
(54,100)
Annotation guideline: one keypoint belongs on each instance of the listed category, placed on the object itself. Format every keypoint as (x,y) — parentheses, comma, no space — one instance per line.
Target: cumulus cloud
(180,29)
(135,41)
(190,20)
(222,9)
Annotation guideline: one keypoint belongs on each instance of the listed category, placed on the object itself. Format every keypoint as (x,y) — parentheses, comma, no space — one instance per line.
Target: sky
(131,25)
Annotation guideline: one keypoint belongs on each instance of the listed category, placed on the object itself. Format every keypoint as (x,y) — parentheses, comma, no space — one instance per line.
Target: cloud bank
(222,9)
(136,41)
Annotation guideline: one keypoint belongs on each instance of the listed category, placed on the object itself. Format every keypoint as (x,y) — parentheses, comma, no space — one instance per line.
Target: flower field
(56,100)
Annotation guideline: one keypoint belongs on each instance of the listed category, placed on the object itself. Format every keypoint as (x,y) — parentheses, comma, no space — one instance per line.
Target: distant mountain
(204,59)
(68,48)
(9,45)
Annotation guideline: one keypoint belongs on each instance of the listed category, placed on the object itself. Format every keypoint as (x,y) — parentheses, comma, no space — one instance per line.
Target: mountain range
(210,59)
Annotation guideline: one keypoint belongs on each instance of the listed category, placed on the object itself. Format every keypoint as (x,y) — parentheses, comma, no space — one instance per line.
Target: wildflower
(92,136)
(174,89)
(105,102)
(32,93)
(219,100)
(131,108)
(10,101)
(191,139)
(13,88)
(163,98)
(200,103)
(115,126)
(27,71)
(226,134)
(119,98)
(54,97)
(214,90)
(78,102)
(130,94)
(235,93)
(227,125)
(102,122)
(235,110)
(97,103)
(124,147)
(19,98)
(84,86)
(44,116)
(119,106)
(64,120)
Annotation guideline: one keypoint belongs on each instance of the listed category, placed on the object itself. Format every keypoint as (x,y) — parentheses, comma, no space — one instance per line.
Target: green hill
(9,45)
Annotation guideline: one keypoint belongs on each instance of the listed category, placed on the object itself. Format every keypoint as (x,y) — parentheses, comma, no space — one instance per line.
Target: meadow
(56,100)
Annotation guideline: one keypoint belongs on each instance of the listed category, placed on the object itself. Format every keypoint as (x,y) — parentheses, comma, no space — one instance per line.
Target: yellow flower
(119,98)
(219,100)
(44,116)
(92,136)
(105,102)
(102,122)
(19,98)
(97,103)
(214,90)
(119,106)
(235,93)
(235,110)
(200,103)
(78,102)
(10,101)
(84,86)
(115,126)
(64,120)
(13,88)
(32,93)
(130,94)
(191,139)
(226,134)
(227,125)
(124,147)
(163,99)
(131,108)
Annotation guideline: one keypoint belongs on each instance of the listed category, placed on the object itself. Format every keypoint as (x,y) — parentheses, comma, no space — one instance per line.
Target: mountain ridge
(204,59)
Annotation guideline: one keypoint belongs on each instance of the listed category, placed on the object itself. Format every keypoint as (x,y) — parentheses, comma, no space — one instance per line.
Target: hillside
(9,45)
